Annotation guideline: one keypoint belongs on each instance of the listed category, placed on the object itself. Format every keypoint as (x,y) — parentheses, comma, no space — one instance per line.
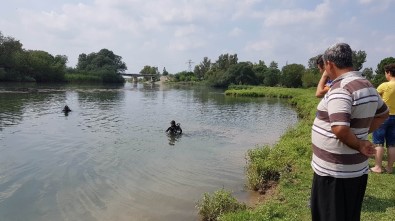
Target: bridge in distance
(135,76)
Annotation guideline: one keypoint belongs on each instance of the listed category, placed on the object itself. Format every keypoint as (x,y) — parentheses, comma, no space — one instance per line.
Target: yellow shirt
(387,92)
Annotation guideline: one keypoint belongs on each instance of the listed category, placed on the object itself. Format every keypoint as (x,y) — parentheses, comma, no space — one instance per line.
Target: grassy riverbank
(285,168)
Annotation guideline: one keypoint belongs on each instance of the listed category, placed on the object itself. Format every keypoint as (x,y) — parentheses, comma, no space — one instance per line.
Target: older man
(349,111)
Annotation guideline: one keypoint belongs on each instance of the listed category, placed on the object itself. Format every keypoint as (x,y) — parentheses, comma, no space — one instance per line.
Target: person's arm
(321,87)
(382,112)
(345,135)
(377,121)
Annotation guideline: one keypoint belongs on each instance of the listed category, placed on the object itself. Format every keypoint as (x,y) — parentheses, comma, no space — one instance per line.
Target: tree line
(19,64)
(226,70)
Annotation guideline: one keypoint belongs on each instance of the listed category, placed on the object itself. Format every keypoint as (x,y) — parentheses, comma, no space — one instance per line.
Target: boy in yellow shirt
(386,132)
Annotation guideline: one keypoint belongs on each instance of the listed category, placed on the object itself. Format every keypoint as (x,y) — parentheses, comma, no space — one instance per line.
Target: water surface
(110,159)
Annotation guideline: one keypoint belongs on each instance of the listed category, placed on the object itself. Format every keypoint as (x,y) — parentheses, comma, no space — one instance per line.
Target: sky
(178,34)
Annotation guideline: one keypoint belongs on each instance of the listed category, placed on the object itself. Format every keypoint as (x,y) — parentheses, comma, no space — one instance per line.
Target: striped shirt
(352,101)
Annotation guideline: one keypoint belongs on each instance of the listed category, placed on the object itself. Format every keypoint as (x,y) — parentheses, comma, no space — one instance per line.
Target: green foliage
(310,78)
(240,73)
(215,78)
(44,67)
(368,73)
(272,77)
(225,61)
(185,76)
(101,67)
(217,204)
(292,75)
(312,63)
(273,65)
(358,58)
(149,70)
(99,76)
(102,60)
(80,78)
(384,62)
(8,48)
(29,65)
(260,69)
(261,172)
(380,75)
(201,69)
(165,73)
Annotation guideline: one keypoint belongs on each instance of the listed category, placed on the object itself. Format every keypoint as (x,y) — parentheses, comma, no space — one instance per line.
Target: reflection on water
(110,158)
(173,138)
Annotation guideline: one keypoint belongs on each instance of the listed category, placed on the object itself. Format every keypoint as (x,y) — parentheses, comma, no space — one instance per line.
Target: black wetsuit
(174,129)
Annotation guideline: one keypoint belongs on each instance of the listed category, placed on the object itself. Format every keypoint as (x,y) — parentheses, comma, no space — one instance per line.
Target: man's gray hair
(340,54)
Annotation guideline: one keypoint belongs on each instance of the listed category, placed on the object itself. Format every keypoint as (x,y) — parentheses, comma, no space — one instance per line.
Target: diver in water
(174,128)
(66,109)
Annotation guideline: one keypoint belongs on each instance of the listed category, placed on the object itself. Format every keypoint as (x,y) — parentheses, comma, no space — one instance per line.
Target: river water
(110,158)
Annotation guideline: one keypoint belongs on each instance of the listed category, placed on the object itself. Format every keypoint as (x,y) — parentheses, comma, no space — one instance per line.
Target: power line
(190,62)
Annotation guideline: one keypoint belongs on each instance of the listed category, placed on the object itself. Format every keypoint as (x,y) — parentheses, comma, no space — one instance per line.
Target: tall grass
(287,164)
(102,76)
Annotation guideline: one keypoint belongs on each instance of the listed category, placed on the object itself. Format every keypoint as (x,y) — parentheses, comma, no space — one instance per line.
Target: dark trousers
(337,199)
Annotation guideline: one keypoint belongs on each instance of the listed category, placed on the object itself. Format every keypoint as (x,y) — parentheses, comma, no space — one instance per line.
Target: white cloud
(235,32)
(259,46)
(185,30)
(184,44)
(376,6)
(284,17)
(168,32)
(366,1)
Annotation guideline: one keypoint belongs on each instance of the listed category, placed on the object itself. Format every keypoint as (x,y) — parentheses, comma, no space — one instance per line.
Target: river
(110,158)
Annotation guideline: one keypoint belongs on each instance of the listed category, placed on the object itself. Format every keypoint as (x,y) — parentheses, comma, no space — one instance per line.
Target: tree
(44,67)
(8,48)
(380,75)
(164,72)
(312,64)
(241,74)
(292,75)
(150,70)
(225,61)
(185,76)
(272,77)
(201,69)
(273,65)
(358,58)
(384,62)
(103,60)
(260,69)
(368,73)
(310,78)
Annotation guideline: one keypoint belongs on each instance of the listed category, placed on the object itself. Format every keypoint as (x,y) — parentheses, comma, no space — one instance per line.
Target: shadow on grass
(374,204)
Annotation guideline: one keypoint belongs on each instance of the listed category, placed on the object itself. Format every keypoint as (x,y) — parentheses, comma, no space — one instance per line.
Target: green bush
(220,202)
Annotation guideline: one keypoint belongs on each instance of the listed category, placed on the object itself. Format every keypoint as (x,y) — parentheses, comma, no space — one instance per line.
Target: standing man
(349,111)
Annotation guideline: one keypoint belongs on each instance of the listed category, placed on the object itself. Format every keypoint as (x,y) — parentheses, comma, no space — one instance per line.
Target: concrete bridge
(136,76)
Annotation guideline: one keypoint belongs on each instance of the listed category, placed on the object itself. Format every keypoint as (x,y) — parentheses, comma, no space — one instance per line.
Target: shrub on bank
(217,204)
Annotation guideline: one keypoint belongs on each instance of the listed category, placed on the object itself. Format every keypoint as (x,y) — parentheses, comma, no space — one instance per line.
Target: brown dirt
(258,197)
